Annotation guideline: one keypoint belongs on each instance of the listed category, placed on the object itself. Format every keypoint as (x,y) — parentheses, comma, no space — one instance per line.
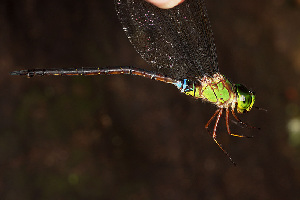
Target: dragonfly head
(245,98)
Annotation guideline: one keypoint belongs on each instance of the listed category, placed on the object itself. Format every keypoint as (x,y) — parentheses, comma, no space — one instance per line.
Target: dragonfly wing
(178,42)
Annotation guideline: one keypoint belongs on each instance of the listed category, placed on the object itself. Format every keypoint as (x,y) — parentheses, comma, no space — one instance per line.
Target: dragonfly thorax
(217,90)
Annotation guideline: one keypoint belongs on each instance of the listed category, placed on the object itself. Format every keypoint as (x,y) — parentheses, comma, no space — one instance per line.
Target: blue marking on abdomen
(181,85)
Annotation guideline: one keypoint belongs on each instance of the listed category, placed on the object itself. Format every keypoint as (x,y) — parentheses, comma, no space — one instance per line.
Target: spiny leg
(228,129)
(214,135)
(241,122)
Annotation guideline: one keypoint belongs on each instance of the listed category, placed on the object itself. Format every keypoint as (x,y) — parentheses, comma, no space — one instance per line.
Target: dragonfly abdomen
(95,71)
(83,72)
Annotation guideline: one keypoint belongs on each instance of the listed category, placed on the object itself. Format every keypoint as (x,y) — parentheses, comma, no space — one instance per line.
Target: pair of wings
(177,42)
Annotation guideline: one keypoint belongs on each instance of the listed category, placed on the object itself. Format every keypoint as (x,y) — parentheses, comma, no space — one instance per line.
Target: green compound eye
(245,99)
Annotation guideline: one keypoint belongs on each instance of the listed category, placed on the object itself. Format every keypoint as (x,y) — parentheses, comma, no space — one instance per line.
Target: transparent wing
(178,42)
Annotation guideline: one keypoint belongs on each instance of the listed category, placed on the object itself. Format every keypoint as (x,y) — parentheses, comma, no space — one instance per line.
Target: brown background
(123,137)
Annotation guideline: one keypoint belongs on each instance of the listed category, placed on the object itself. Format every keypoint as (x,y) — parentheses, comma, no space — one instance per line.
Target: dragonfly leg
(218,113)
(210,120)
(228,129)
(241,122)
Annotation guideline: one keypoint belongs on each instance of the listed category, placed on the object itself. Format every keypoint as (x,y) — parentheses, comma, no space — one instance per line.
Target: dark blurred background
(125,137)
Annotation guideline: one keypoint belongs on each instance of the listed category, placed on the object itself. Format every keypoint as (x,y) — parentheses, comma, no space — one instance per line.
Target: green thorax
(221,92)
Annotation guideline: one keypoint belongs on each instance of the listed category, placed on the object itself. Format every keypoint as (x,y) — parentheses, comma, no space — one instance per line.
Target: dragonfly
(179,44)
